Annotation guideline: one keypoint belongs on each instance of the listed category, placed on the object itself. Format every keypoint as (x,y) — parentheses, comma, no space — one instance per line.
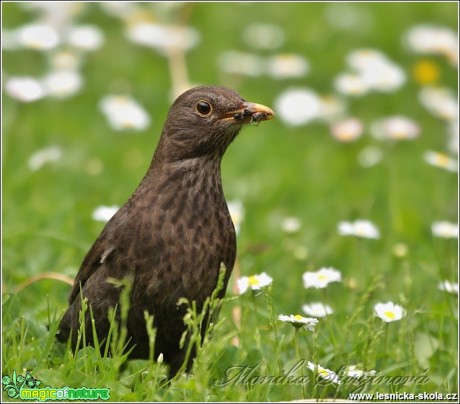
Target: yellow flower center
(322,277)
(426,72)
(253,281)
(442,160)
(298,317)
(389,314)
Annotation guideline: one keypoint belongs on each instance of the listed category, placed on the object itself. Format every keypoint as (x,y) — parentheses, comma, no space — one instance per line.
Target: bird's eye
(203,107)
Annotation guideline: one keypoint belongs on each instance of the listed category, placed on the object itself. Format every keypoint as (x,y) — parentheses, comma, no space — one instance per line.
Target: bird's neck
(186,177)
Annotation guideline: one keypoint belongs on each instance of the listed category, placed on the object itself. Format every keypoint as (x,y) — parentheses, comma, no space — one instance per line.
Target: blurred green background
(276,170)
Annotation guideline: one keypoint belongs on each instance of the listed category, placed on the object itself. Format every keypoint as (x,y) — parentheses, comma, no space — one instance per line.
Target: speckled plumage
(173,233)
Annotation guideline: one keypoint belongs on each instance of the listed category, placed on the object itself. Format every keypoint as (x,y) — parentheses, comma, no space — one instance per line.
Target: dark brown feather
(172,234)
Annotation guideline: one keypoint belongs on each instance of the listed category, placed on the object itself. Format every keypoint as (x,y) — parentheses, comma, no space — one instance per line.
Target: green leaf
(425,346)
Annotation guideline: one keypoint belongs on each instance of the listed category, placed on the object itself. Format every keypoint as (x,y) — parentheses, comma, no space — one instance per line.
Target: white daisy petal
(389,311)
(359,228)
(104,213)
(299,321)
(321,278)
(317,309)
(449,287)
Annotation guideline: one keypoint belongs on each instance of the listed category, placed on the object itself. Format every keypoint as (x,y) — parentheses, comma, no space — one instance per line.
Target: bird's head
(203,121)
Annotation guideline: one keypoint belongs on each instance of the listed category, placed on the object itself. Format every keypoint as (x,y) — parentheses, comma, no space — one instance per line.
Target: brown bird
(173,233)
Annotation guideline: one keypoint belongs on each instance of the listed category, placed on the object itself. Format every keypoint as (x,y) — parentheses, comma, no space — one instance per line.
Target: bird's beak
(248,113)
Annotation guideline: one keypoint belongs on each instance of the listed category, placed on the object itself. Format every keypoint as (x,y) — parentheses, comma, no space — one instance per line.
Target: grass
(276,171)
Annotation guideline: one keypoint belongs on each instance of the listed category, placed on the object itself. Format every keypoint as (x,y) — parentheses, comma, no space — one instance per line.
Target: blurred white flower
(331,107)
(163,37)
(236,210)
(449,287)
(351,84)
(389,311)
(317,309)
(353,371)
(370,156)
(297,106)
(439,101)
(25,89)
(395,128)
(445,229)
(287,65)
(291,224)
(299,321)
(263,36)
(104,213)
(63,83)
(85,37)
(386,77)
(57,14)
(123,112)
(348,16)
(432,39)
(241,63)
(400,250)
(65,60)
(347,130)
(358,228)
(120,9)
(365,59)
(254,282)
(372,70)
(321,278)
(326,374)
(37,36)
(44,156)
(440,160)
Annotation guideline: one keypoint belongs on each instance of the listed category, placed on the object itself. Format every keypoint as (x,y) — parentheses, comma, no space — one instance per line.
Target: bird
(172,235)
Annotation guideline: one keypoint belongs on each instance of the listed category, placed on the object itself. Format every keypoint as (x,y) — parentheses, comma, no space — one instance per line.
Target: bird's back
(171,237)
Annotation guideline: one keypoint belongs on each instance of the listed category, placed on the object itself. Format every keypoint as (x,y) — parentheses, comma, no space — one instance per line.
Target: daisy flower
(25,89)
(44,156)
(37,36)
(164,38)
(347,130)
(441,160)
(449,287)
(359,228)
(395,128)
(440,101)
(85,37)
(243,63)
(297,106)
(317,309)
(104,213)
(299,321)
(254,282)
(236,210)
(321,278)
(445,229)
(63,83)
(389,311)
(351,84)
(353,371)
(287,65)
(123,112)
(291,224)
(326,374)
(263,36)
